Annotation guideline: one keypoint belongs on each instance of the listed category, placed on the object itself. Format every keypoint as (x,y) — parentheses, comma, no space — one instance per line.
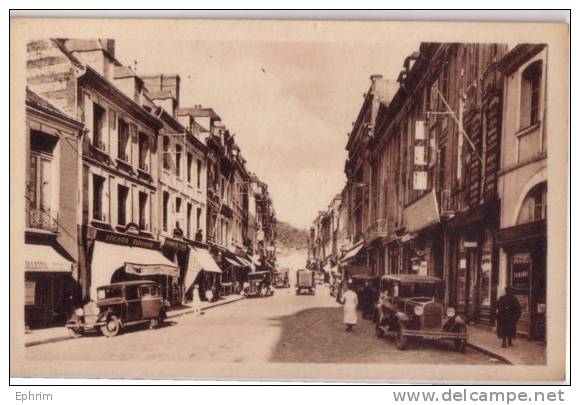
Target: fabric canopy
(45,259)
(199,259)
(233,262)
(356,270)
(108,258)
(327,267)
(352,252)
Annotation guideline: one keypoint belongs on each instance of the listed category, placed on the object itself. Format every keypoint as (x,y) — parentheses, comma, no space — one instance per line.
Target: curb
(185,312)
(489,353)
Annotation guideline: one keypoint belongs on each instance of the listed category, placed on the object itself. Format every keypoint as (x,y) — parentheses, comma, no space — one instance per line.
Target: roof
(519,55)
(40,102)
(132,282)
(412,278)
(198,112)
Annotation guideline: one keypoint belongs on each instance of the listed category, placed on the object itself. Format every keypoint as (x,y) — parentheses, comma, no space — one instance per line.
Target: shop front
(472,262)
(176,250)
(202,270)
(50,292)
(121,257)
(525,248)
(421,240)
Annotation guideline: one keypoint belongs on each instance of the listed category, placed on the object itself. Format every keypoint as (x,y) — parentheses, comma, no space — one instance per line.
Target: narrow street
(282,328)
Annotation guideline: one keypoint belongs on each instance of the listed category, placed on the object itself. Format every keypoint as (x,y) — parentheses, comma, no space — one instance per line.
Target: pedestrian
(350,302)
(196,302)
(508,313)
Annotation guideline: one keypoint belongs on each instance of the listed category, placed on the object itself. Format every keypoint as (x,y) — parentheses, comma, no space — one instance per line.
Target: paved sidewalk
(59,333)
(523,352)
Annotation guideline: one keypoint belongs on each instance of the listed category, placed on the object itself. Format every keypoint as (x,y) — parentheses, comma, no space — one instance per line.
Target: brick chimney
(164,90)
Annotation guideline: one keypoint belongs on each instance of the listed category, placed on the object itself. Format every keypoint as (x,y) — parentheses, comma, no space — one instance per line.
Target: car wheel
(379,332)
(112,327)
(460,344)
(75,331)
(401,340)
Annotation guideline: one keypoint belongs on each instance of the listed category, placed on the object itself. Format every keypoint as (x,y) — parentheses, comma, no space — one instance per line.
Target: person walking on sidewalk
(507,315)
(350,302)
(196,303)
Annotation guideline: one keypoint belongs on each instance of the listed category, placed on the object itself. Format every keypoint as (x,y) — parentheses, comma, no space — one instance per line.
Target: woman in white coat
(196,303)
(350,302)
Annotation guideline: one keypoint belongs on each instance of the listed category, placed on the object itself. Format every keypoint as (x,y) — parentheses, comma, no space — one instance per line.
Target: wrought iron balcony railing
(39,219)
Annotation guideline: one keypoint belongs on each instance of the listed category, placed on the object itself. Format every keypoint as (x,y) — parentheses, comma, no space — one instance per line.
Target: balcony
(42,220)
(98,152)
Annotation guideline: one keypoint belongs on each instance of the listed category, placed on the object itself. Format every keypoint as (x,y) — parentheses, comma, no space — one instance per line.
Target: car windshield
(418,290)
(105,293)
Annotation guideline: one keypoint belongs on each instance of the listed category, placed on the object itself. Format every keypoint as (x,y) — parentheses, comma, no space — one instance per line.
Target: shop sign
(422,213)
(151,270)
(469,244)
(423,268)
(175,245)
(521,263)
(126,240)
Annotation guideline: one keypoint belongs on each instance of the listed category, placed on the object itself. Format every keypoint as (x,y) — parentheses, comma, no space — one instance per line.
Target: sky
(290,104)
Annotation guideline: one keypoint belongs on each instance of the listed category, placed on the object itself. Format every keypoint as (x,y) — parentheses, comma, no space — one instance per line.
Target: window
(143,223)
(178,151)
(177,211)
(198,219)
(166,152)
(123,140)
(534,206)
(98,197)
(165,209)
(122,194)
(188,225)
(189,164)
(198,173)
(143,152)
(530,95)
(99,116)
(39,185)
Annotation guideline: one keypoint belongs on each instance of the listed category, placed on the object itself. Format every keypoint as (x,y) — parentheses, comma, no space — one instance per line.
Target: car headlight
(450,312)
(418,310)
(79,312)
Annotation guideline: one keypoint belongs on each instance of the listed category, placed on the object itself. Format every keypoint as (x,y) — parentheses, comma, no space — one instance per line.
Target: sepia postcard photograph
(289,200)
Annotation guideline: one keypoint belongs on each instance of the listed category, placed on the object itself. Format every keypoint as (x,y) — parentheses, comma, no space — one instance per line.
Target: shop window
(530,95)
(98,198)
(534,206)
(122,195)
(123,140)
(99,117)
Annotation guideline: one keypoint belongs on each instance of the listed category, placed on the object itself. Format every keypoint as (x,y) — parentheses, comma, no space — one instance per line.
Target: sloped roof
(40,102)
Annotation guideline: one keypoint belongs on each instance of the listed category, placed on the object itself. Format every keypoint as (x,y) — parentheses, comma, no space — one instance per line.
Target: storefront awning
(327,267)
(45,259)
(352,252)
(233,262)
(246,262)
(256,260)
(351,270)
(108,258)
(199,259)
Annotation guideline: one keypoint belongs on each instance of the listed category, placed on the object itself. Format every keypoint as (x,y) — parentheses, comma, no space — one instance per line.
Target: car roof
(412,278)
(126,283)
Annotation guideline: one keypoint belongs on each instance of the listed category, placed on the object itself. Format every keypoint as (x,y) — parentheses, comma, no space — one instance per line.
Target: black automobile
(409,306)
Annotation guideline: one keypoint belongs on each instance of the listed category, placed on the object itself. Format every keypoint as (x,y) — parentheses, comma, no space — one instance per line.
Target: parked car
(410,306)
(259,284)
(305,282)
(281,279)
(119,305)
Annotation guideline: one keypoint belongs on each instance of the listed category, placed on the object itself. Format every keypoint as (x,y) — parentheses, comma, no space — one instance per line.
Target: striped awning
(45,259)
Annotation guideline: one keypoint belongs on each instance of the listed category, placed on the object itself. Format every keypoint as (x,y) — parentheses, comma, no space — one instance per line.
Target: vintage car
(410,306)
(305,281)
(120,305)
(259,284)
(281,279)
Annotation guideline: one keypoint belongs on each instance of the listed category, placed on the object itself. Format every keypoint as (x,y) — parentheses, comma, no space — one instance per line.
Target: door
(520,278)
(134,310)
(472,289)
